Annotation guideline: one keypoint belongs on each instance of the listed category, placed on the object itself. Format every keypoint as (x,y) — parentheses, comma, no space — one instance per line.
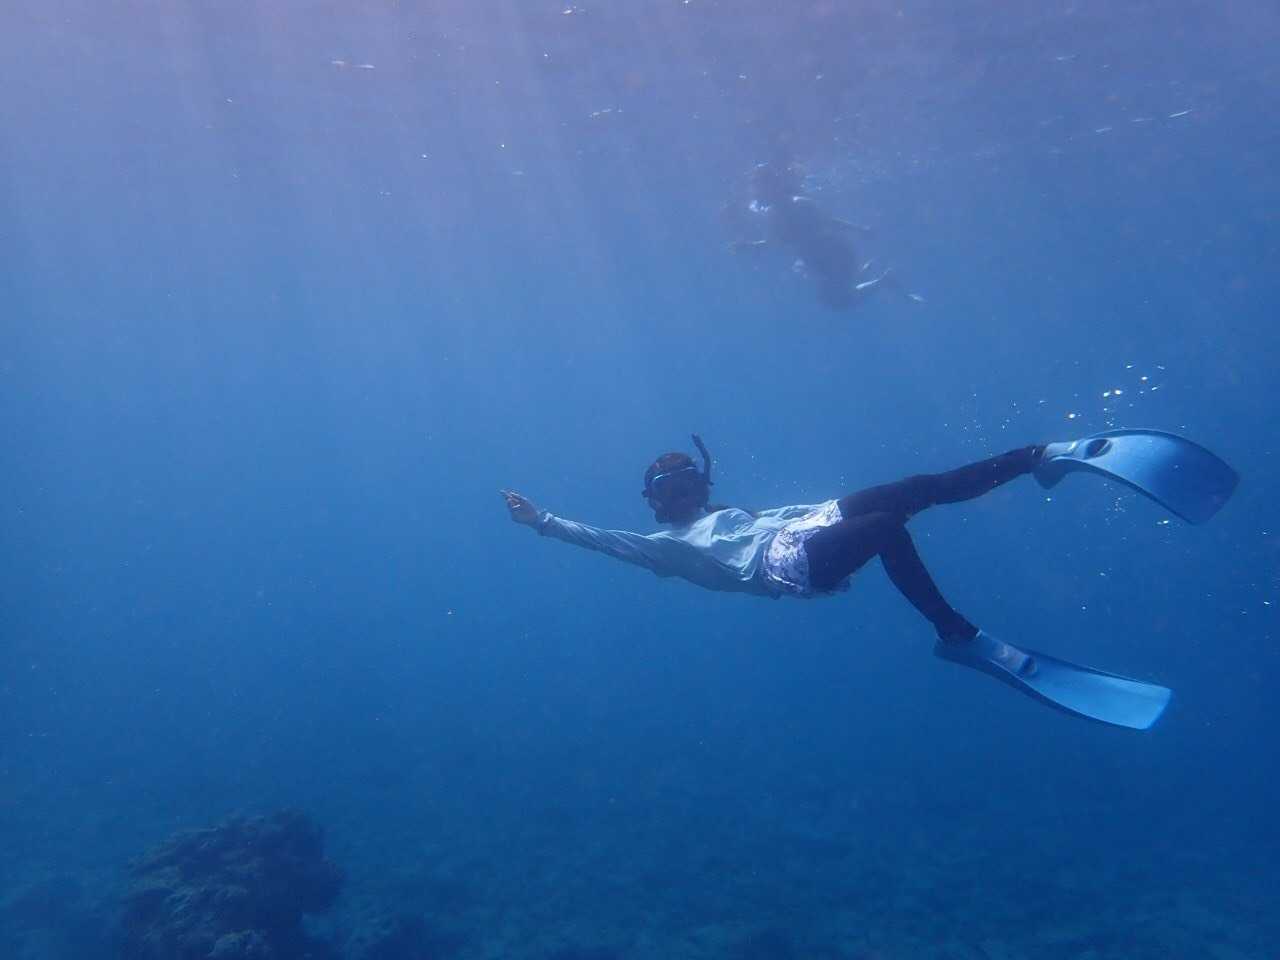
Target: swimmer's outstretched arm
(660,554)
(850,226)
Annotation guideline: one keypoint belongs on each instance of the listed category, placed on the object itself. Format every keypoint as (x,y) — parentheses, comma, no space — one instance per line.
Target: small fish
(1180,113)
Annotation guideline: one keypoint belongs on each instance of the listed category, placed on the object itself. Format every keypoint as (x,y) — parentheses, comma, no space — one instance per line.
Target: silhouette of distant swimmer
(774,213)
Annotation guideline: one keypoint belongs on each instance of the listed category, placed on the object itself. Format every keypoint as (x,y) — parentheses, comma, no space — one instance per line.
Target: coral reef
(236,891)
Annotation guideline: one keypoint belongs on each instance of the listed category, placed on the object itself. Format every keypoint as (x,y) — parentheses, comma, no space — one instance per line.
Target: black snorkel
(706,458)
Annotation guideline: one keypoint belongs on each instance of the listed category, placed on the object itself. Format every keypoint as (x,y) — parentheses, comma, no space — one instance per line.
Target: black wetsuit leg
(873,523)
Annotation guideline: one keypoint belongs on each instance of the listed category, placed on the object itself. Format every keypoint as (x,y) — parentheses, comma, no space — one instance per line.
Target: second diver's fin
(889,279)
(868,284)
(1069,687)
(1180,475)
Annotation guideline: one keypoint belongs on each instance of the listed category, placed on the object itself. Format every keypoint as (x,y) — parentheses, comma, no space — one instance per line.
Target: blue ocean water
(291,290)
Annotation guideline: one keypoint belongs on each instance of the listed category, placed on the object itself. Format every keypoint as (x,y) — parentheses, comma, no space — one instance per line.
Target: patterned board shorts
(786,564)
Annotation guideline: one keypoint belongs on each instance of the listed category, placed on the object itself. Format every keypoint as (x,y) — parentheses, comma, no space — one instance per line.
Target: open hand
(522,510)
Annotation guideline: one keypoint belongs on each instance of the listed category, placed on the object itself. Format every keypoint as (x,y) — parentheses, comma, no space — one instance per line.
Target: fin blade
(1179,474)
(1070,687)
(1106,697)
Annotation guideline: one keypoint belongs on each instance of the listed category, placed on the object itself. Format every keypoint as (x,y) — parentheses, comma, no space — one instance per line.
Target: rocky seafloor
(627,884)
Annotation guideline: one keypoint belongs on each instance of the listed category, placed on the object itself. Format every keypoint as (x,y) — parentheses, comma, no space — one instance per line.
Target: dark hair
(777,180)
(667,463)
(676,460)
(670,462)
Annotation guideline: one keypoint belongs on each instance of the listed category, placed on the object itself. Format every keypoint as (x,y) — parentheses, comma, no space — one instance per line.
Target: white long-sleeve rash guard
(720,551)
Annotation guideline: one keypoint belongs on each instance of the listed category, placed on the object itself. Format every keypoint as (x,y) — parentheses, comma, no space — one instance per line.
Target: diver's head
(675,488)
(777,181)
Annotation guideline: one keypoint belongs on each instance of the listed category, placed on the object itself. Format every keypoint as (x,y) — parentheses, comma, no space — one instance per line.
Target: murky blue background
(288,291)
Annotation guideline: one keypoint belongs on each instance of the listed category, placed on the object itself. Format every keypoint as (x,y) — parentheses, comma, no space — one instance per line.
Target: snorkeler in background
(773,214)
(811,550)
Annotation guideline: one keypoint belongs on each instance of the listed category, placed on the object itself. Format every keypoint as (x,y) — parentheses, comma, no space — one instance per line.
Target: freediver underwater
(810,551)
(772,213)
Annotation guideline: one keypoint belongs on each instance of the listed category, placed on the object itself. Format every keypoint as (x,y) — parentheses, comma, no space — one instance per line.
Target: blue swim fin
(1069,687)
(1180,475)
